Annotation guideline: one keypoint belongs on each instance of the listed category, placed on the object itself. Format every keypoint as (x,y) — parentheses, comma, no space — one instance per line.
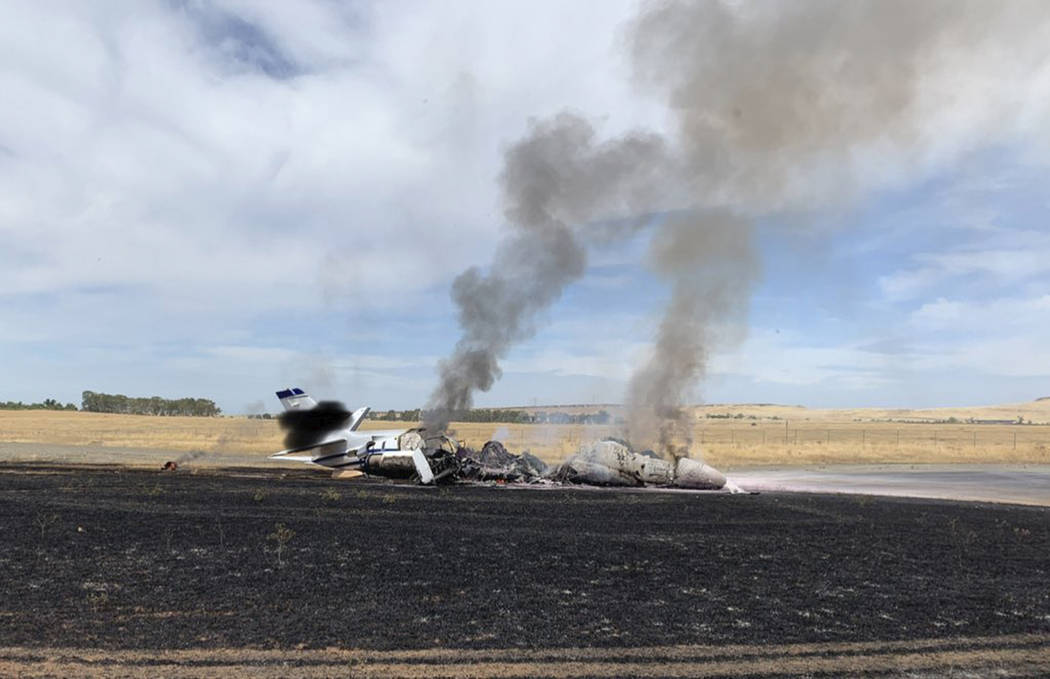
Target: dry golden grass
(830,437)
(736,443)
(1033,411)
(209,434)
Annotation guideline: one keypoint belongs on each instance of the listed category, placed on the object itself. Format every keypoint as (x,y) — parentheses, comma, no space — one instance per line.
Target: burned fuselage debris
(602,463)
(328,435)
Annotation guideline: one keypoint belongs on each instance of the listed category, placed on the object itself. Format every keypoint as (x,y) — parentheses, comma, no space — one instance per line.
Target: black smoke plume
(304,428)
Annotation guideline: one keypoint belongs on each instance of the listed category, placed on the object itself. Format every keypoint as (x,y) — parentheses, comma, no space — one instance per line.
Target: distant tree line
(396,415)
(558,417)
(151,405)
(738,416)
(47,404)
(505,415)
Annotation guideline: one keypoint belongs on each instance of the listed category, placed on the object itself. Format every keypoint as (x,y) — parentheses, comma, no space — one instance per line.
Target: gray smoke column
(799,108)
(709,260)
(801,105)
(555,181)
(780,110)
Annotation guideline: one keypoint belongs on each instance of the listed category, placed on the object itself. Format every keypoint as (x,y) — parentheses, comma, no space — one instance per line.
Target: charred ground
(116,558)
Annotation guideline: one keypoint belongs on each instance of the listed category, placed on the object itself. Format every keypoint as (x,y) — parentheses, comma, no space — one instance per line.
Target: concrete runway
(1020,484)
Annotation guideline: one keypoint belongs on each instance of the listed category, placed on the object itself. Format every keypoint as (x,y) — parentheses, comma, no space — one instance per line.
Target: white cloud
(161,193)
(1001,258)
(252,354)
(1006,315)
(172,173)
(771,357)
(1016,356)
(136,159)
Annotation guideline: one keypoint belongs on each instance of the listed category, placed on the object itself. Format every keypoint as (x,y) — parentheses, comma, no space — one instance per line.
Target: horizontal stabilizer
(313,451)
(292,458)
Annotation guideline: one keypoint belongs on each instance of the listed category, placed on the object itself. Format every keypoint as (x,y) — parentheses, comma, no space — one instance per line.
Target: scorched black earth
(133,559)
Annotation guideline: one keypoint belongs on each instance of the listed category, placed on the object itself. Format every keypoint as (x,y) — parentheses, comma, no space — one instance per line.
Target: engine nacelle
(691,473)
(611,463)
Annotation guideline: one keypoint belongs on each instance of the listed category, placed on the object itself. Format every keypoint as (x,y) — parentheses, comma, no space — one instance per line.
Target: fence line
(968,437)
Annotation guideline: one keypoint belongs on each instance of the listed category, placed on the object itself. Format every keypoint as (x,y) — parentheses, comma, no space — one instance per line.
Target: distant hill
(1032,412)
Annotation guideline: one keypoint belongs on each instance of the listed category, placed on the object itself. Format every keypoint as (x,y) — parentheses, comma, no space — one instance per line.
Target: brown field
(799,436)
(1018,655)
(1037,412)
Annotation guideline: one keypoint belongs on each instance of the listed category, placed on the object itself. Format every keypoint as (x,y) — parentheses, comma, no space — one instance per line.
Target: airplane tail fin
(295,399)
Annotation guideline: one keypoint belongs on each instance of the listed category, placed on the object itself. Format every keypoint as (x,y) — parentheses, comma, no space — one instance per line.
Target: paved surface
(1023,484)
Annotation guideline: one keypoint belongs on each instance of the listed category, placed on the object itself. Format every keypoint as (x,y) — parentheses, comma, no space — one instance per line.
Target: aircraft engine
(393,464)
(691,473)
(611,463)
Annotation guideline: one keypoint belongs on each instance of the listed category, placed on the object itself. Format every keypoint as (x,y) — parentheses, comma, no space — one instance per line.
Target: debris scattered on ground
(495,463)
(608,462)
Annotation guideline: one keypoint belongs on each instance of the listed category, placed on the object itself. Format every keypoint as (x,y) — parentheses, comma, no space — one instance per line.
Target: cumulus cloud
(1021,315)
(1006,257)
(210,149)
(218,195)
(174,171)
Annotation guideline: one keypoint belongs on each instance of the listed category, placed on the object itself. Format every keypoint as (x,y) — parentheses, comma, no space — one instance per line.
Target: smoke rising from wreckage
(326,434)
(773,118)
(780,112)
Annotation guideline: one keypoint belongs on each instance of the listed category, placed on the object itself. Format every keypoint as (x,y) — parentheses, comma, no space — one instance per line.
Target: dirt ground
(1021,655)
(119,572)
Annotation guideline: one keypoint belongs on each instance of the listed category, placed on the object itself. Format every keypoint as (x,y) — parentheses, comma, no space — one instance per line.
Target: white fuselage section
(376,452)
(345,448)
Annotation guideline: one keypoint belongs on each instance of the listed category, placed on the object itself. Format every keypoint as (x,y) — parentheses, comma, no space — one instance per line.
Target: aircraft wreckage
(328,435)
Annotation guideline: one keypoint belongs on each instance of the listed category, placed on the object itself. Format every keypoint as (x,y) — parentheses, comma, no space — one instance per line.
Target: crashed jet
(326,434)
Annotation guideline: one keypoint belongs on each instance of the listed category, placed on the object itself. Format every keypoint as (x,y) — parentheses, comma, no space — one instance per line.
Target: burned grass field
(129,560)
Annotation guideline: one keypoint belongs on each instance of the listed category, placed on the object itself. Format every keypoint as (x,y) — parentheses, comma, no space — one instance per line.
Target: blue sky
(221,199)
